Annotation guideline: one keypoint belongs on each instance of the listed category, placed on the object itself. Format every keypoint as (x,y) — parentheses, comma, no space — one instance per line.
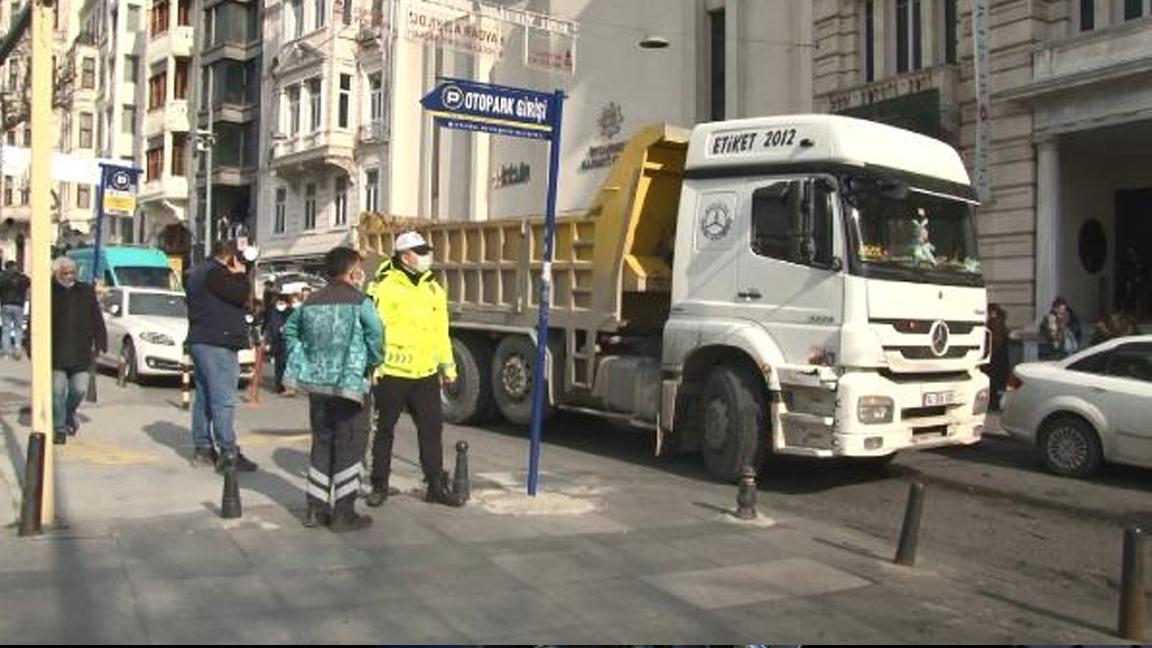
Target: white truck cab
(832,261)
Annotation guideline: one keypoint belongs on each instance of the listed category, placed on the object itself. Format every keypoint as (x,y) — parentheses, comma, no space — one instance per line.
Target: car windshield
(157,305)
(908,234)
(147,277)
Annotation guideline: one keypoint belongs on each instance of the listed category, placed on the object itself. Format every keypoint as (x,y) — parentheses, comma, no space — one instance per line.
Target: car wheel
(1069,446)
(735,423)
(128,356)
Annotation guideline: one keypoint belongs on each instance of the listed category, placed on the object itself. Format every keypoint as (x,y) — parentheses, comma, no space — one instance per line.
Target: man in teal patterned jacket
(334,343)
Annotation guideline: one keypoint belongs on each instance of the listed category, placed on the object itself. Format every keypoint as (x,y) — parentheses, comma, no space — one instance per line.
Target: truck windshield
(906,234)
(147,277)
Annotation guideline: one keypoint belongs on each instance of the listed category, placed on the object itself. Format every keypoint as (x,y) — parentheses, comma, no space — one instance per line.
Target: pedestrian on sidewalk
(77,333)
(418,360)
(218,292)
(998,367)
(13,294)
(334,343)
(274,320)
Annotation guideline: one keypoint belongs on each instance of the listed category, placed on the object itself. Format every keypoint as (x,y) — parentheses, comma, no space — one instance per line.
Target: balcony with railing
(372,132)
(307,152)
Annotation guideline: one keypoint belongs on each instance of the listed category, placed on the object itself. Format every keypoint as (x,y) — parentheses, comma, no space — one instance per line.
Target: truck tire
(470,399)
(735,422)
(513,364)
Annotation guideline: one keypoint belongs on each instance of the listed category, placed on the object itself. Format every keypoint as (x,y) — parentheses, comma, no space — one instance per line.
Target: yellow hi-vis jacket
(416,318)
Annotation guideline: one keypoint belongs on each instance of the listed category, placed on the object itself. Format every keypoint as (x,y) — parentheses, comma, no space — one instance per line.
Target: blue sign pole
(99,222)
(539,386)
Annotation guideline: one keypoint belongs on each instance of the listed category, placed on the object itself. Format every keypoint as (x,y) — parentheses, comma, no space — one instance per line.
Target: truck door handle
(751,293)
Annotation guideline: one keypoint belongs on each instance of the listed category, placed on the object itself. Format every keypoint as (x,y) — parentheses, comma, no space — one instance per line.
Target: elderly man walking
(334,343)
(77,332)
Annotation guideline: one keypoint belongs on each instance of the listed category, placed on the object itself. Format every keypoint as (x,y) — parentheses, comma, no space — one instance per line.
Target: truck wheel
(470,399)
(513,364)
(735,423)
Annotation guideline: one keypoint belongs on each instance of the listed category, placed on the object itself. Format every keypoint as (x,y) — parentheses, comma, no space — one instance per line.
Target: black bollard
(746,496)
(1131,625)
(230,503)
(185,380)
(30,509)
(910,533)
(461,485)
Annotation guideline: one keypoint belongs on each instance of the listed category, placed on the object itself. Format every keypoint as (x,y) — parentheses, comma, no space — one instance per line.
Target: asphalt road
(991,510)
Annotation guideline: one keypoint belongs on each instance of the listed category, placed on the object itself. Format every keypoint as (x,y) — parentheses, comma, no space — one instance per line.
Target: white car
(1092,407)
(147,329)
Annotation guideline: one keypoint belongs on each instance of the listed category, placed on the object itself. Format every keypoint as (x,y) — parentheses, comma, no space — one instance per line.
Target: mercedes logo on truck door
(938,336)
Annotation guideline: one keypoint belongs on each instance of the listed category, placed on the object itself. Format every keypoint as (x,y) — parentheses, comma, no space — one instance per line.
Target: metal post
(98,210)
(910,533)
(33,485)
(186,378)
(746,495)
(208,170)
(40,177)
(1131,624)
(540,381)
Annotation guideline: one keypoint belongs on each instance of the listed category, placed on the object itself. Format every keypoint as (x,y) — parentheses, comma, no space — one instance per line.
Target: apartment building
(230,61)
(1069,211)
(344,132)
(167,76)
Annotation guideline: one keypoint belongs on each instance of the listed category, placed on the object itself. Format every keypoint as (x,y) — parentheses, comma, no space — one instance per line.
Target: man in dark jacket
(13,293)
(275,317)
(218,292)
(77,331)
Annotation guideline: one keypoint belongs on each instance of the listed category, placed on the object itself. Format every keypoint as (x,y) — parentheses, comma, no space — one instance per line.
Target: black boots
(347,519)
(317,516)
(439,492)
(238,460)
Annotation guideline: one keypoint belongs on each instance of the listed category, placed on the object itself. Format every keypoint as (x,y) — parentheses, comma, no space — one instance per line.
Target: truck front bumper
(917,421)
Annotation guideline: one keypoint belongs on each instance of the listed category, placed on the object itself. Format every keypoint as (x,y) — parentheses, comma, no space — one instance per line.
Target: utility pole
(207,141)
(40,177)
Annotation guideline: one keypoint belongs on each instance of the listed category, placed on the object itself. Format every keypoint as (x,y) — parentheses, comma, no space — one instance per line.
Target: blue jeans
(13,338)
(68,390)
(217,372)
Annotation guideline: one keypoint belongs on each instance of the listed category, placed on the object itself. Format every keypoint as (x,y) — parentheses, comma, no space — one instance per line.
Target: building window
(28,135)
(376,97)
(1087,18)
(297,18)
(1133,9)
(133,18)
(85,130)
(181,89)
(158,18)
(951,27)
(13,75)
(83,196)
(717,31)
(128,119)
(131,68)
(346,11)
(321,13)
(909,54)
(183,15)
(293,109)
(157,91)
(309,207)
(155,162)
(88,74)
(7,192)
(869,41)
(371,190)
(341,202)
(315,100)
(280,224)
(179,154)
(345,99)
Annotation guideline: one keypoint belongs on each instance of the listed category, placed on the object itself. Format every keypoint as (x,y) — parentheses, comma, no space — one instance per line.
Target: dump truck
(796,285)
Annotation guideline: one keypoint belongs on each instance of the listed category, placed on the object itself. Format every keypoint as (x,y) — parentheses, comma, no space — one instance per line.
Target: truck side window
(822,223)
(777,226)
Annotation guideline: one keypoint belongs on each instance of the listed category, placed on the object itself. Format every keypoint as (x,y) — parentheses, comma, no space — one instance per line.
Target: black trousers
(422,399)
(339,437)
(280,357)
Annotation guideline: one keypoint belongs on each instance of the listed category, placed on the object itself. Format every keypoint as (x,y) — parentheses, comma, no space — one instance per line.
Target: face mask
(423,263)
(67,282)
(281,306)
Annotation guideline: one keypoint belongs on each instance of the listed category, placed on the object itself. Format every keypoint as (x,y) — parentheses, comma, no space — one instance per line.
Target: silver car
(1092,407)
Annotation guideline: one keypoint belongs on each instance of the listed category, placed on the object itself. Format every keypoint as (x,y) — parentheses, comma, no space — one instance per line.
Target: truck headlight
(157,338)
(980,405)
(872,410)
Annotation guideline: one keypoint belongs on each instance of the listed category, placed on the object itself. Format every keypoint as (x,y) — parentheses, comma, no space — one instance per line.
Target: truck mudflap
(819,418)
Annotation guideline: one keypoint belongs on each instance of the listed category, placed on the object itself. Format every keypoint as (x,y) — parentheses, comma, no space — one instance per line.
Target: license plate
(936,399)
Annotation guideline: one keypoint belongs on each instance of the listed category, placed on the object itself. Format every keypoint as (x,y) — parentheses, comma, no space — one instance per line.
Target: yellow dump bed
(612,265)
